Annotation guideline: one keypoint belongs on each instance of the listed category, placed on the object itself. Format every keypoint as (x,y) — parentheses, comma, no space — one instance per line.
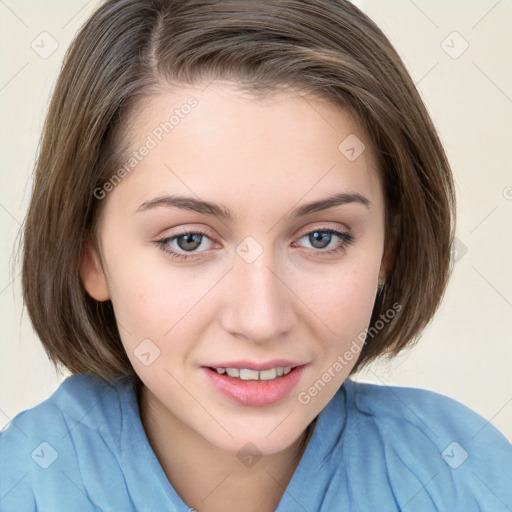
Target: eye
(187,242)
(321,238)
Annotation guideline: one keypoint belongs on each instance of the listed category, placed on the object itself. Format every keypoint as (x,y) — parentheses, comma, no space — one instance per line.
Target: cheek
(159,301)
(151,303)
(343,298)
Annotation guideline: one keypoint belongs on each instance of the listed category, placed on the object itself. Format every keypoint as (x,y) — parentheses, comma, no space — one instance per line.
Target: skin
(261,158)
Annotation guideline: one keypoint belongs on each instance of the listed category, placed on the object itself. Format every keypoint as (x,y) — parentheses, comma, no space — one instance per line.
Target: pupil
(192,241)
(321,238)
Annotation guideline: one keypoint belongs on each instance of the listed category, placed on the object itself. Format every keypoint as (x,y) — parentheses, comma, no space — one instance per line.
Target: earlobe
(93,276)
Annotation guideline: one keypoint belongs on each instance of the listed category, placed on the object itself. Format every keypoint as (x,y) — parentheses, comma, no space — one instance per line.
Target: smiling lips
(255,385)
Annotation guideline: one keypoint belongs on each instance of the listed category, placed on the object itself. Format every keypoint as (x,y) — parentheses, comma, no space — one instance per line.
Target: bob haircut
(131,49)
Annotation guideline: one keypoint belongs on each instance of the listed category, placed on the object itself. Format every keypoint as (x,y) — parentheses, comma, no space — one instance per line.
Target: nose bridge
(259,304)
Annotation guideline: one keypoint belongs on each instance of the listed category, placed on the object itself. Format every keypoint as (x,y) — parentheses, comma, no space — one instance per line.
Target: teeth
(249,374)
(233,372)
(245,374)
(268,374)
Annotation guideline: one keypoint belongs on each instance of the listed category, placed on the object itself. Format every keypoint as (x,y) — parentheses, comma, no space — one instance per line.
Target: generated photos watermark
(343,360)
(152,140)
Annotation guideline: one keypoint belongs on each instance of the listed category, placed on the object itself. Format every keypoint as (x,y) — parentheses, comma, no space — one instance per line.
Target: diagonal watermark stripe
(427,73)
(492,211)
(76,14)
(13,13)
(198,403)
(215,488)
(424,13)
(301,300)
(10,214)
(488,422)
(489,283)
(198,301)
(16,484)
(286,491)
(423,487)
(14,76)
(9,283)
(300,198)
(491,491)
(13,423)
(486,14)
(492,81)
(78,422)
(279,424)
(410,410)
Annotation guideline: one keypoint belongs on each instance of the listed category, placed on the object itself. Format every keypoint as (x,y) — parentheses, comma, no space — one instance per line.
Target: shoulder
(419,406)
(41,442)
(450,451)
(436,416)
(78,399)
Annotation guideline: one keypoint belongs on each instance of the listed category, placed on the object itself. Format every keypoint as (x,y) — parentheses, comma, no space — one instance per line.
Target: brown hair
(131,48)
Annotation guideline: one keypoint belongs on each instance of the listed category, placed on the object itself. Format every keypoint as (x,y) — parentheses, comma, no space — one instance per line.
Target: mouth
(254,385)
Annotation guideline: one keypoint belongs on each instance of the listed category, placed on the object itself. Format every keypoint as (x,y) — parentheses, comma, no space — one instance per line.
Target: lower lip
(254,393)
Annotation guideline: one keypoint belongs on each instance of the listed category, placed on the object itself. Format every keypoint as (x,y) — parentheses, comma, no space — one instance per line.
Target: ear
(92,274)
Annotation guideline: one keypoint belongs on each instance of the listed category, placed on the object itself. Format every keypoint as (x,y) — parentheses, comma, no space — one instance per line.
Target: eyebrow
(218,210)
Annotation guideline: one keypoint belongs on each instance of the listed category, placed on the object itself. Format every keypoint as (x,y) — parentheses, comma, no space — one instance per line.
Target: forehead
(217,141)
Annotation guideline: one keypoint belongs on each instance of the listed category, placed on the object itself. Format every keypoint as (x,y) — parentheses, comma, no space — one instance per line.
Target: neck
(210,479)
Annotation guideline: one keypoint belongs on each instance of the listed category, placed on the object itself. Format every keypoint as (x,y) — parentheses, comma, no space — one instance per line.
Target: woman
(237,205)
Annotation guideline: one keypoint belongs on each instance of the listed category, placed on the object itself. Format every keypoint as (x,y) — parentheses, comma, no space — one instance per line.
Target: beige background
(466,352)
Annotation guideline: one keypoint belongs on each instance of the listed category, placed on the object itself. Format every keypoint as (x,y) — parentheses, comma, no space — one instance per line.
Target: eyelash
(346,240)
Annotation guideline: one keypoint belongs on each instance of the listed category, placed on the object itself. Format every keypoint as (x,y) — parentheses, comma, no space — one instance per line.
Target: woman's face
(218,252)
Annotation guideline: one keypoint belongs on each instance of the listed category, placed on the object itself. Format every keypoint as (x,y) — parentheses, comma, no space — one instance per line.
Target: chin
(257,440)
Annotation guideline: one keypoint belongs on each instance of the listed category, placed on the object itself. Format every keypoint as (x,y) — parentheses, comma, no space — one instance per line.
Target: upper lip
(253,365)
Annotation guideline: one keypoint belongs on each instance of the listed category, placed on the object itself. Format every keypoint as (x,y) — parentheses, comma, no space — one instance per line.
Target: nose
(257,302)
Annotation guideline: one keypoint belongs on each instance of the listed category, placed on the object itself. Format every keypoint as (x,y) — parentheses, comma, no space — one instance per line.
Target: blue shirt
(373,449)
